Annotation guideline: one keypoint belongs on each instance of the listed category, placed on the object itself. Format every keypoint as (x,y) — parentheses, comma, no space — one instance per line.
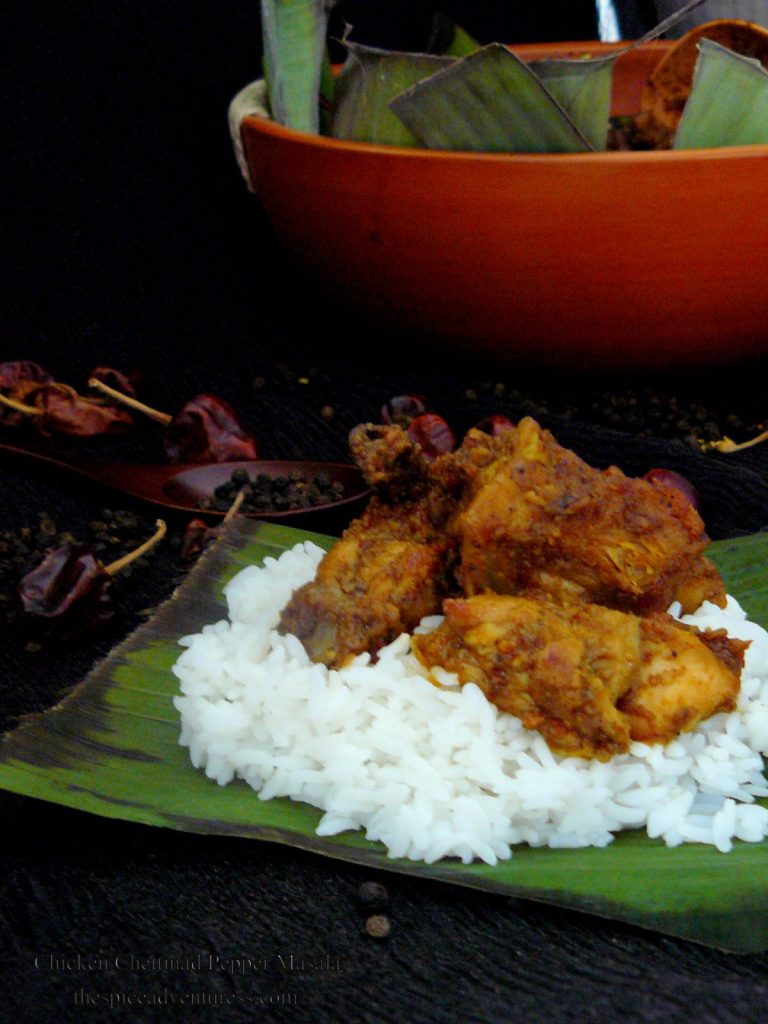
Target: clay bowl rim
(266,126)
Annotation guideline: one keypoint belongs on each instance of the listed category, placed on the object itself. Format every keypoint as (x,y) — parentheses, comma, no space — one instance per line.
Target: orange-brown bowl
(620,259)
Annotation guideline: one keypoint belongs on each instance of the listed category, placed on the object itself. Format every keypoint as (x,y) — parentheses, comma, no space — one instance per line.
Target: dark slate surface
(130,240)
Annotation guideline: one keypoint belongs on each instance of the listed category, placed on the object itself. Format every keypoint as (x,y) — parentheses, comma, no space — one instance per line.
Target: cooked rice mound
(437,771)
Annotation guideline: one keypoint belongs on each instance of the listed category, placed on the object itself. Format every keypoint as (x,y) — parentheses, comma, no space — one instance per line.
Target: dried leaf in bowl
(667,89)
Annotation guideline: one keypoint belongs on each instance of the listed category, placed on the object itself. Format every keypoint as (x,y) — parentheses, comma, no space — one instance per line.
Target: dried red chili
(196,537)
(70,589)
(55,408)
(67,412)
(16,379)
(660,477)
(13,372)
(206,429)
(402,409)
(432,433)
(495,425)
(113,379)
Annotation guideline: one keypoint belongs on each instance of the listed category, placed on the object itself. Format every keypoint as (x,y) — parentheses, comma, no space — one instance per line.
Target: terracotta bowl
(599,259)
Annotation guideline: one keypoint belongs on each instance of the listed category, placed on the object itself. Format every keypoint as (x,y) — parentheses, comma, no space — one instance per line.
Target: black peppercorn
(373,895)
(377,926)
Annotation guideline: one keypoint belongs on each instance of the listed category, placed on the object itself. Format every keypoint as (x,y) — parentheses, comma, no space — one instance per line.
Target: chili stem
(155,414)
(727,445)
(120,563)
(234,508)
(13,403)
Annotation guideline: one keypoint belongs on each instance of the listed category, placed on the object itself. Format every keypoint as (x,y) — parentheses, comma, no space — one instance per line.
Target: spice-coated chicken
(390,568)
(517,514)
(534,518)
(588,678)
(386,573)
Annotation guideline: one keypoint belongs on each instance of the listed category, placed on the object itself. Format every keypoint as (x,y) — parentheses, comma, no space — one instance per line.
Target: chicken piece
(534,518)
(386,573)
(589,679)
(390,461)
(391,567)
(685,677)
(549,666)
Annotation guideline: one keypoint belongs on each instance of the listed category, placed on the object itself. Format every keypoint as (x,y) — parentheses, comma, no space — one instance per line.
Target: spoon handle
(137,480)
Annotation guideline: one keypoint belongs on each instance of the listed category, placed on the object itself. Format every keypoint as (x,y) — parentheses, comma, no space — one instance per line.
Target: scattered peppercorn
(377,926)
(373,895)
(641,410)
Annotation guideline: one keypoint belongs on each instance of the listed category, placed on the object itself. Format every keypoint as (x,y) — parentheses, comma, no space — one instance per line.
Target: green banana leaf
(728,101)
(462,43)
(111,748)
(488,102)
(327,91)
(294,54)
(369,79)
(583,90)
(449,38)
(582,86)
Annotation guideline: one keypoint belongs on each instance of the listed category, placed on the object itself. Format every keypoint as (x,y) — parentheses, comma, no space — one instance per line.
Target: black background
(129,239)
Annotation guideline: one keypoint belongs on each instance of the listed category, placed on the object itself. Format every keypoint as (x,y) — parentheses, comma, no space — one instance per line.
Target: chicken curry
(554,578)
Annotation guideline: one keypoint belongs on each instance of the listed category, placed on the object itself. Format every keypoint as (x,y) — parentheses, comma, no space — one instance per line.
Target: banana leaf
(583,86)
(488,102)
(449,38)
(728,101)
(369,79)
(583,90)
(462,43)
(294,54)
(111,748)
(327,91)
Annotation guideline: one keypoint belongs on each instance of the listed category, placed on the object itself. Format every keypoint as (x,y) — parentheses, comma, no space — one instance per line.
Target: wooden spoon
(187,488)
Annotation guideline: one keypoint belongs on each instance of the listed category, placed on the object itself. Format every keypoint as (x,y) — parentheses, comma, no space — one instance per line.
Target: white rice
(439,772)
